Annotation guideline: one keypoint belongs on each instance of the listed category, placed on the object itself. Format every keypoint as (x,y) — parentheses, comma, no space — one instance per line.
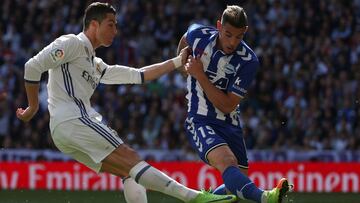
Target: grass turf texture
(44,196)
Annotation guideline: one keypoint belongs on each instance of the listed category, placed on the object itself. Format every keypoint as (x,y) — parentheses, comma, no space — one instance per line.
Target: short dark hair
(97,11)
(235,16)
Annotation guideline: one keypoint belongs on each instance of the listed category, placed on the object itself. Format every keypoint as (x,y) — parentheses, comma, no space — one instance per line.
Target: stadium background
(304,105)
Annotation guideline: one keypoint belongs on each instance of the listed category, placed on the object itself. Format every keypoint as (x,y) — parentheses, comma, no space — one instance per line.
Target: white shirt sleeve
(117,74)
(62,50)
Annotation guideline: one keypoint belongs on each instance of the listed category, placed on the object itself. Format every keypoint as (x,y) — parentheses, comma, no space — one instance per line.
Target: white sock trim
(154,179)
(138,170)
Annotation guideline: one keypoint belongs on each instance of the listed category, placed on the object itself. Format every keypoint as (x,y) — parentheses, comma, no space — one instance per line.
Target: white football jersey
(74,73)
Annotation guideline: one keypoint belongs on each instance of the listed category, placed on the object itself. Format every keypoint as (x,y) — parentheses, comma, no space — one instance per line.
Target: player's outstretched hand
(194,66)
(184,53)
(27,114)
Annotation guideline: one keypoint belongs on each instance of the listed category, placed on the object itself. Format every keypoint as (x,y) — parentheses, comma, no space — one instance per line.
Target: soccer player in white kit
(76,128)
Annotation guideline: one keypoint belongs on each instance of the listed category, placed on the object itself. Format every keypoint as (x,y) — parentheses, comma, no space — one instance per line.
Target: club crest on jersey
(230,69)
(57,54)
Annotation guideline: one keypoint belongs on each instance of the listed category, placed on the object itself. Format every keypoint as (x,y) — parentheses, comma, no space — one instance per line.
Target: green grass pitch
(43,196)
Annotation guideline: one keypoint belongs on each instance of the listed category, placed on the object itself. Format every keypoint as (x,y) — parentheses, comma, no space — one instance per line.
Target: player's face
(230,37)
(107,30)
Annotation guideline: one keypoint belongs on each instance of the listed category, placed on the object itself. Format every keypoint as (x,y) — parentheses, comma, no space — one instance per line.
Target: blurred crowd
(306,95)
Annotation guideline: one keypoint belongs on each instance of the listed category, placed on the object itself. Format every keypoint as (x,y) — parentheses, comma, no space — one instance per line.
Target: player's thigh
(86,140)
(221,158)
(235,140)
(121,160)
(203,138)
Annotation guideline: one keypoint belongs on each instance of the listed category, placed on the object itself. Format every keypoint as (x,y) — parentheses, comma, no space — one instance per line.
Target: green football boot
(207,197)
(277,194)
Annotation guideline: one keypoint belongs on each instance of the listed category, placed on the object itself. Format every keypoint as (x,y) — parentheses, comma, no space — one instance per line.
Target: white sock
(264,197)
(156,180)
(134,193)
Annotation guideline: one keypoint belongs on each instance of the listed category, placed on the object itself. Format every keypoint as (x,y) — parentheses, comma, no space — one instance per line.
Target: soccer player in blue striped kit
(76,128)
(220,70)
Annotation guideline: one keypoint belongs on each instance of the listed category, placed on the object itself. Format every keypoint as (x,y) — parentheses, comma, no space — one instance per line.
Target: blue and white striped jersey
(230,73)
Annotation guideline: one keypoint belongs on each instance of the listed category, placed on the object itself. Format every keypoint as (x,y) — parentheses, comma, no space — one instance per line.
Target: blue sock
(240,185)
(221,190)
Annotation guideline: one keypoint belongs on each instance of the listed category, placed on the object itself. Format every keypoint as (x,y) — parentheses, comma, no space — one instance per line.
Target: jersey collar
(213,40)
(88,44)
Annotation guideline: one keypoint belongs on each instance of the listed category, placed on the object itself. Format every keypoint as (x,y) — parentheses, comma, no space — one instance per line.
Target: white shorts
(86,140)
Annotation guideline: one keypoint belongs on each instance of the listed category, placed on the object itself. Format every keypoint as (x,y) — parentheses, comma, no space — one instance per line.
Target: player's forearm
(32,93)
(218,98)
(157,70)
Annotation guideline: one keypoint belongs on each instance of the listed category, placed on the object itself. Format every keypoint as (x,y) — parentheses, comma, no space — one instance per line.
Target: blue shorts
(205,136)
